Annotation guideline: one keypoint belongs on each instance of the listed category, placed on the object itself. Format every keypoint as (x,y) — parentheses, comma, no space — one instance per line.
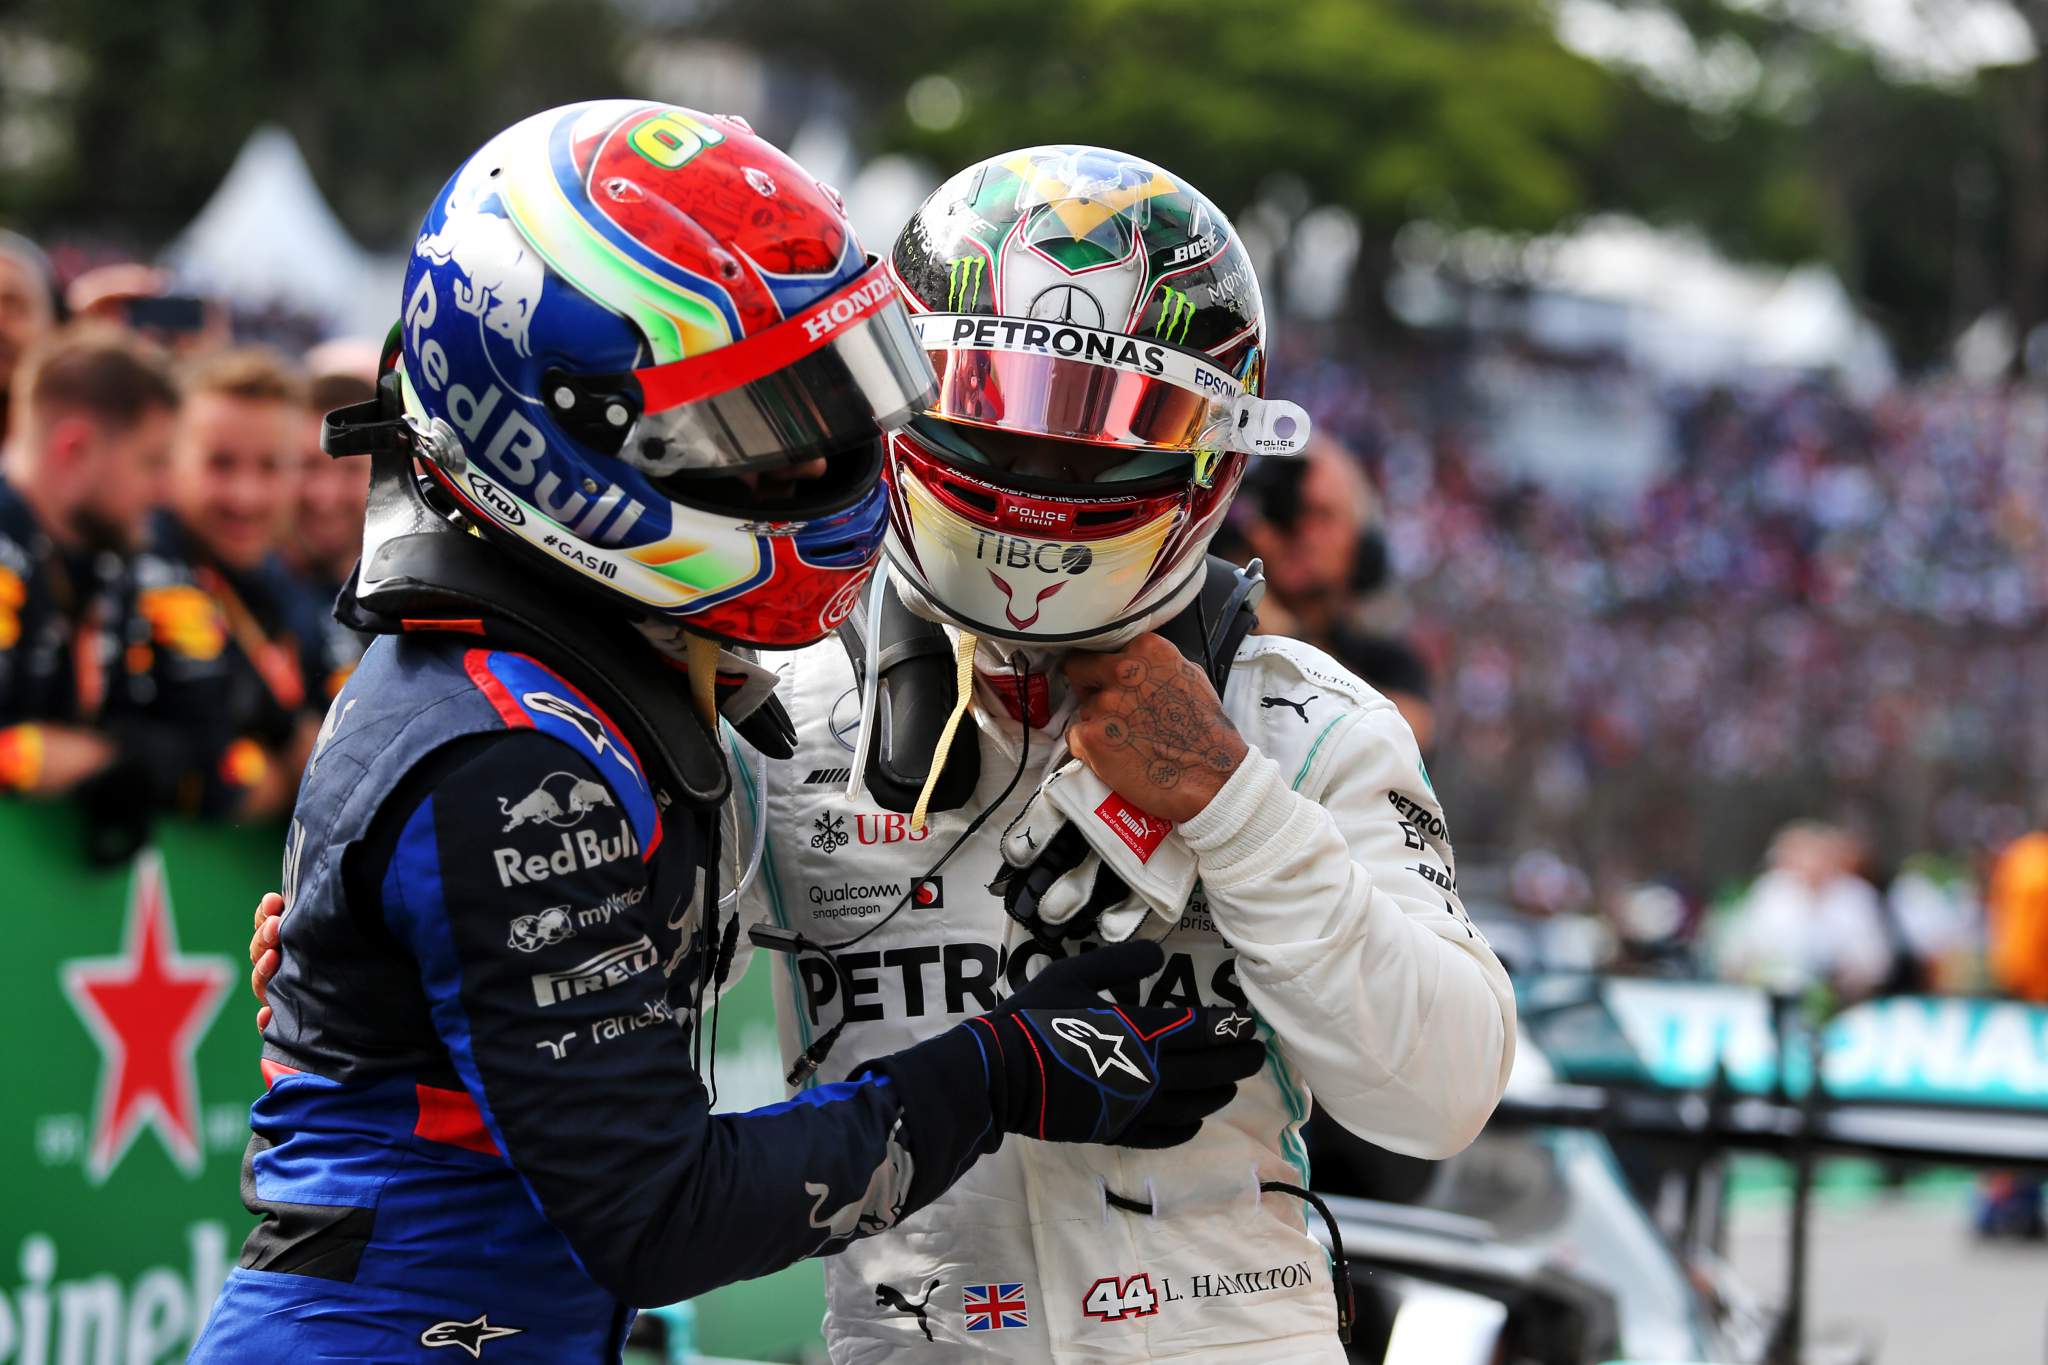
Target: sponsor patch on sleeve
(1141,831)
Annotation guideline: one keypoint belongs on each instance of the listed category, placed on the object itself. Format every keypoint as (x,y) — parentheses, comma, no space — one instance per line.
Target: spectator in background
(1315,523)
(1810,920)
(80,705)
(28,309)
(2017,908)
(235,469)
(327,529)
(2009,1205)
(141,298)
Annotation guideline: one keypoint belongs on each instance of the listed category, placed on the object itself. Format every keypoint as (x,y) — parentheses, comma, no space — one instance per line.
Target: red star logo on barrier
(147,1009)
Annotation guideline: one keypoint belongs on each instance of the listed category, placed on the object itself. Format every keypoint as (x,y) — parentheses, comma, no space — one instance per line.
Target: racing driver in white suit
(1100,344)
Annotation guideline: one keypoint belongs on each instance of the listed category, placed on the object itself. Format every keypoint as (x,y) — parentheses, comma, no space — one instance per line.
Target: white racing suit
(1326,909)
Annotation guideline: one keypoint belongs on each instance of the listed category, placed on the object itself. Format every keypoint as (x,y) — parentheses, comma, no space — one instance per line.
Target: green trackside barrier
(130,1059)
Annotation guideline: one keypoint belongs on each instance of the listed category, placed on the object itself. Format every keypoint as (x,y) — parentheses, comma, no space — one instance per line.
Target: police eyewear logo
(561,800)
(531,933)
(600,973)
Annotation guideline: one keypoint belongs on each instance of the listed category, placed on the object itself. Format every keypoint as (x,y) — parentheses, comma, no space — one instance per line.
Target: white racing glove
(1080,861)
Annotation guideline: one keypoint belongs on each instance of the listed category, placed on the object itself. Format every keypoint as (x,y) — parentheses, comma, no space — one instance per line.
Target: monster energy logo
(1176,309)
(963,282)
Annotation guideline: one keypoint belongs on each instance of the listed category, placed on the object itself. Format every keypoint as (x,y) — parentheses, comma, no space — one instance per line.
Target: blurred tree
(2023,105)
(1465,111)
(1913,184)
(150,102)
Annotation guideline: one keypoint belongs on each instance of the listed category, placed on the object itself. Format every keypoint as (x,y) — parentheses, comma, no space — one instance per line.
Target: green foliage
(1468,110)
(384,96)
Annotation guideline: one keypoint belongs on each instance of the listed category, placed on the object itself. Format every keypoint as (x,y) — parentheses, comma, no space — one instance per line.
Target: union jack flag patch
(992,1307)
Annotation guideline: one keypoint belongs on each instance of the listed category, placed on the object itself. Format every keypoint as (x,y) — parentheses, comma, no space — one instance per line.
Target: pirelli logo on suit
(608,969)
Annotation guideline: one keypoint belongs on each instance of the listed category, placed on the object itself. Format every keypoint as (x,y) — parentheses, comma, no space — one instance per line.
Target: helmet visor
(1052,463)
(1082,384)
(838,374)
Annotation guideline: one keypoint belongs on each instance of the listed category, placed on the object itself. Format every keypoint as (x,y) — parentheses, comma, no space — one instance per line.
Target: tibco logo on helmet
(585,322)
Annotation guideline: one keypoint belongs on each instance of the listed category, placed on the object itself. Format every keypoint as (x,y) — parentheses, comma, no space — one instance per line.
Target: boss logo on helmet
(1045,556)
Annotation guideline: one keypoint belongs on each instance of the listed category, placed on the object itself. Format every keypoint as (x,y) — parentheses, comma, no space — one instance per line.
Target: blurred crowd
(171,544)
(1772,712)
(1788,687)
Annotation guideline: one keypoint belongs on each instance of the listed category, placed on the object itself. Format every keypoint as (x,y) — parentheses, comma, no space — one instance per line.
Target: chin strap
(702,656)
(963,694)
(916,690)
(917,694)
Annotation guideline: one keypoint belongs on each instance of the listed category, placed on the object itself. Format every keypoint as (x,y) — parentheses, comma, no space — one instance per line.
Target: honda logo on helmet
(848,306)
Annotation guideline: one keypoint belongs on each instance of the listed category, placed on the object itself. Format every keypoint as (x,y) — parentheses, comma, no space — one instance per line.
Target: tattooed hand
(1152,727)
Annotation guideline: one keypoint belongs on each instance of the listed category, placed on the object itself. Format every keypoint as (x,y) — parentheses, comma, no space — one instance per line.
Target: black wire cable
(1340,1266)
(788,941)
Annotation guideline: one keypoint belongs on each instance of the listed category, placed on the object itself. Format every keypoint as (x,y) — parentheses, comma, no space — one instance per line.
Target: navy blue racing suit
(483,1127)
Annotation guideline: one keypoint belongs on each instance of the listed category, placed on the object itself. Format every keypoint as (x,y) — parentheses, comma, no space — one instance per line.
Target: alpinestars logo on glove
(1104,1050)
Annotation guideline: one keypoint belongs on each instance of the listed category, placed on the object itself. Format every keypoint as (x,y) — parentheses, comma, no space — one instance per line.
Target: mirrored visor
(838,374)
(1083,384)
(1075,383)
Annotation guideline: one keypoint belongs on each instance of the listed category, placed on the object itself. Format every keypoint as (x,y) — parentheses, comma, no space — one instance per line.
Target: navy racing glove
(1064,1065)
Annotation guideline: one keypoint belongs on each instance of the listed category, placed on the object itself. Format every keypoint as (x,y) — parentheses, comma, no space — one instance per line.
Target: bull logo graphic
(1010,596)
(501,275)
(561,800)
(877,1207)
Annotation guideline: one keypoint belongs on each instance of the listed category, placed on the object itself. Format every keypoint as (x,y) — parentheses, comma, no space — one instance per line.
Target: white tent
(268,237)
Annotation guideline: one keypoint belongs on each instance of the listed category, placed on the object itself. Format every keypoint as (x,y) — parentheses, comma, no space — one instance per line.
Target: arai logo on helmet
(497,499)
